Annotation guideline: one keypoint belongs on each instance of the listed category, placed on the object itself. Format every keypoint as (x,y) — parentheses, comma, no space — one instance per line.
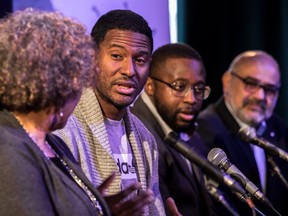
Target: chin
(124,102)
(254,122)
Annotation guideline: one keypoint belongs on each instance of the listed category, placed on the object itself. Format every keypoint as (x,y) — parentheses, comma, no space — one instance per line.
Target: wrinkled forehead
(123,38)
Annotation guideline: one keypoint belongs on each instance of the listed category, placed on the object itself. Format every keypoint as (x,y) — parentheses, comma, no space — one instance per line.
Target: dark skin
(179,113)
(132,206)
(124,58)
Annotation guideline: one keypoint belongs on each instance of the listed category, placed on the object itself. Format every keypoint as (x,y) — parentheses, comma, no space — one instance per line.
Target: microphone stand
(254,210)
(276,170)
(212,189)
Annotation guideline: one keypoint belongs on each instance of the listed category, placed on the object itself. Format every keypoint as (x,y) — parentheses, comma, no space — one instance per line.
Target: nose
(260,93)
(128,67)
(190,97)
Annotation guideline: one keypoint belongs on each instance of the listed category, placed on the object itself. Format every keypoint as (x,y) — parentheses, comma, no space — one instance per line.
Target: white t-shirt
(121,150)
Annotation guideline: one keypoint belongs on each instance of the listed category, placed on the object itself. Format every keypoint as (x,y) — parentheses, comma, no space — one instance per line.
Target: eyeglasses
(180,88)
(252,85)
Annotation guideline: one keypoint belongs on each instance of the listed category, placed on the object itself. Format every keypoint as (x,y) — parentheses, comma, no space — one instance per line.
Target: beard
(170,117)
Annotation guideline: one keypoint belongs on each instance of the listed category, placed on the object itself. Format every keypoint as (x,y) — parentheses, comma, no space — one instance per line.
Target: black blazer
(175,178)
(218,128)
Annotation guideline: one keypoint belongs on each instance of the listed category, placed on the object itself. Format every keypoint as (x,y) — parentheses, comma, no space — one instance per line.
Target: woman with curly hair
(46,60)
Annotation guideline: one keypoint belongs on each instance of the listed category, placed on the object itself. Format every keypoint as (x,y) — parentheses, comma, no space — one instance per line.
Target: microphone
(175,142)
(248,134)
(276,170)
(219,158)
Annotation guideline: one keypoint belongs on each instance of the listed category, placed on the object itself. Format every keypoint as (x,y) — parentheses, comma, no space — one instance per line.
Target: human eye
(251,84)
(141,60)
(199,88)
(116,56)
(179,85)
(270,89)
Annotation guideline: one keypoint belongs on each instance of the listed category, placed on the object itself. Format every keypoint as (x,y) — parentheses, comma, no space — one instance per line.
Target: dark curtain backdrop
(5,7)
(220,30)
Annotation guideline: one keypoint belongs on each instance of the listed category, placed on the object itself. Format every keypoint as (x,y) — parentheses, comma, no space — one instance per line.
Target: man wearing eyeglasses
(171,101)
(250,92)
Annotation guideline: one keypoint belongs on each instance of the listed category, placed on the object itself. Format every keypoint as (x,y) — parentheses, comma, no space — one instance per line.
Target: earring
(61,114)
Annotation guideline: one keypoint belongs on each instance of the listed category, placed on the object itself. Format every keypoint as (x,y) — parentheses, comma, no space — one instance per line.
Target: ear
(149,87)
(226,81)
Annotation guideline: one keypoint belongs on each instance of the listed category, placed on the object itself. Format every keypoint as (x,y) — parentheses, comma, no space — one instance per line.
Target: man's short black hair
(122,20)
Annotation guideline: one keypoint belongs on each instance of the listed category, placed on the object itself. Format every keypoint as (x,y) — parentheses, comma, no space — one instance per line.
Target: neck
(35,124)
(114,113)
(110,110)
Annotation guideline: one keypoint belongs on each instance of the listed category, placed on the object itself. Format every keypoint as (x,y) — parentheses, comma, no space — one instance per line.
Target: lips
(187,115)
(125,87)
(256,108)
(255,105)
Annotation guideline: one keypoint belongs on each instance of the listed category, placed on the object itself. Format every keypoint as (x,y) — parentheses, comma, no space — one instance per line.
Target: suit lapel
(136,147)
(181,163)
(237,146)
(72,164)
(231,123)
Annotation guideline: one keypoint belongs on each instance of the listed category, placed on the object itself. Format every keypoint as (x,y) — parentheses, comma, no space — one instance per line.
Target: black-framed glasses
(252,85)
(180,88)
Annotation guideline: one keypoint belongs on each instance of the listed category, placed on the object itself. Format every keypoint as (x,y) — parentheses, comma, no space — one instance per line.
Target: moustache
(260,103)
(190,111)
(126,81)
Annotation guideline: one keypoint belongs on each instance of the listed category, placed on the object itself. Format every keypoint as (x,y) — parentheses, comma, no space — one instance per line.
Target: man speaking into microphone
(250,92)
(171,100)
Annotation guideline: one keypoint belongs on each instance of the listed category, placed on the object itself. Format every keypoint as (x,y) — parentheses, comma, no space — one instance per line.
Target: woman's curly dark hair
(46,59)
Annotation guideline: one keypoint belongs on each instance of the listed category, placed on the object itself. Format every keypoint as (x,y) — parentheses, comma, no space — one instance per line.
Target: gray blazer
(31,184)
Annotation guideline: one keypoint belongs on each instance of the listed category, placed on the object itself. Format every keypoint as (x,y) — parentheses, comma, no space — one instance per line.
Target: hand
(105,184)
(120,205)
(172,207)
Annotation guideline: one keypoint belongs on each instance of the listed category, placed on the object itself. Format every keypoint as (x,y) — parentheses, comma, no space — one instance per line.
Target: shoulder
(209,121)
(209,114)
(277,131)
(277,122)
(141,128)
(86,113)
(87,110)
(197,143)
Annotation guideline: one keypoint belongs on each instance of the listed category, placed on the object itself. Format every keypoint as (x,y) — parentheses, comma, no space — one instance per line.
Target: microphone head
(217,156)
(247,133)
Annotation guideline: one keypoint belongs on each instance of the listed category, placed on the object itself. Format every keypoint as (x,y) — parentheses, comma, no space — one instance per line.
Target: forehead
(262,69)
(125,39)
(183,68)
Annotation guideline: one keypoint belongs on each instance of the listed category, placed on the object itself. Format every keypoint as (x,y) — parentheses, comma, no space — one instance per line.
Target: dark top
(219,129)
(176,180)
(31,184)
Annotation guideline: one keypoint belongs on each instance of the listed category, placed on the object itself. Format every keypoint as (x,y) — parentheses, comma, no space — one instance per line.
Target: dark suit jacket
(218,128)
(176,180)
(30,184)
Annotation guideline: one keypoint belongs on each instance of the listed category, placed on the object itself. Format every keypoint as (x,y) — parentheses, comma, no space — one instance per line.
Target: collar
(166,129)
